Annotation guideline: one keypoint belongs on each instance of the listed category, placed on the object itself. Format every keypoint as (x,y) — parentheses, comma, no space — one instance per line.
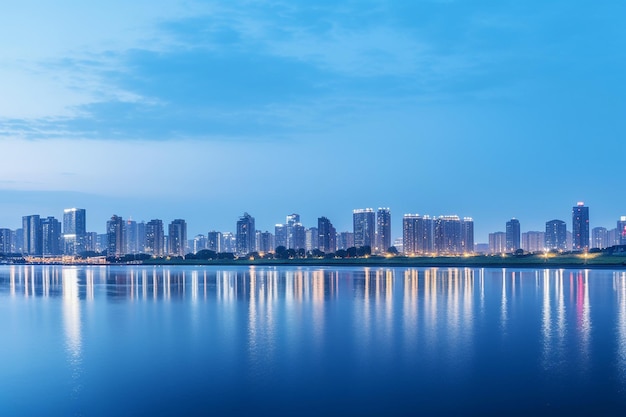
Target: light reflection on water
(433,327)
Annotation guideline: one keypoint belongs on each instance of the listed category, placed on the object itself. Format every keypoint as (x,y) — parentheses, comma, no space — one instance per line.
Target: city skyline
(444,234)
(435,107)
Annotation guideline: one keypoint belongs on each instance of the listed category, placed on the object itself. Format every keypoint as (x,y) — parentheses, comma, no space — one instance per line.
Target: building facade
(364,228)
(177,237)
(327,235)
(556,235)
(155,238)
(512,235)
(580,227)
(383,230)
(246,235)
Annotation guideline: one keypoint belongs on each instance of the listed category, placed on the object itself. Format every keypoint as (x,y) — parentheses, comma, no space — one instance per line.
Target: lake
(187,341)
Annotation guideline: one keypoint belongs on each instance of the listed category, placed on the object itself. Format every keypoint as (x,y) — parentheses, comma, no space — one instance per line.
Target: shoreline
(613,262)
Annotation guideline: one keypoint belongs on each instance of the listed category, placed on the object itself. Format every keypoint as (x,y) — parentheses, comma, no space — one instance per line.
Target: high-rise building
(533,241)
(51,237)
(229,242)
(327,235)
(214,241)
(600,238)
(497,243)
(199,243)
(556,235)
(364,228)
(246,235)
(621,231)
(512,235)
(447,235)
(74,230)
(6,241)
(345,240)
(131,236)
(33,235)
(580,227)
(383,229)
(311,239)
(265,242)
(417,234)
(291,234)
(115,236)
(177,237)
(467,235)
(141,237)
(155,238)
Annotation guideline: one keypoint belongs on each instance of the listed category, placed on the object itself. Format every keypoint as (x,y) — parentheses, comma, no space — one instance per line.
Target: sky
(204,110)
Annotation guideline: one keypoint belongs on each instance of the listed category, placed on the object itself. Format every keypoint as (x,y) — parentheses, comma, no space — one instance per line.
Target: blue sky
(203,110)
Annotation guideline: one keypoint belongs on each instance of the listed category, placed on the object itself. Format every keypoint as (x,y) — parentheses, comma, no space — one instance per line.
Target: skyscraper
(155,237)
(383,228)
(311,239)
(533,241)
(115,237)
(364,227)
(327,235)
(214,241)
(621,230)
(266,242)
(6,242)
(177,232)
(599,238)
(512,235)
(51,237)
(33,235)
(417,234)
(467,235)
(556,235)
(246,235)
(580,227)
(74,230)
(131,236)
(448,235)
(497,242)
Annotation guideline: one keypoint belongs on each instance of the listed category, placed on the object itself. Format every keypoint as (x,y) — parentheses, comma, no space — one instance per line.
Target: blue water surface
(283,341)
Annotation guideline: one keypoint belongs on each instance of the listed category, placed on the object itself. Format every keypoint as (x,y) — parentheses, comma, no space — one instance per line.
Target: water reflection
(72,324)
(411,308)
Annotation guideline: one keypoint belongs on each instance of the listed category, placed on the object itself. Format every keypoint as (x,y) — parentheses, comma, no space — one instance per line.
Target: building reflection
(619,286)
(424,308)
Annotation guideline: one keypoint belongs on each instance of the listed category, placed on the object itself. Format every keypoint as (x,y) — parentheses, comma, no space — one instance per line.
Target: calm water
(121,341)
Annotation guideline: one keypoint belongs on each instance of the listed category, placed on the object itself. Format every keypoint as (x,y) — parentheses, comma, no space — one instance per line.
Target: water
(126,341)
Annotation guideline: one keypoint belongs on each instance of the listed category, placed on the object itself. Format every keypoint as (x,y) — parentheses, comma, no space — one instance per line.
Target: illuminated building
(621,231)
(417,234)
(311,239)
(512,235)
(327,235)
(131,236)
(497,242)
(600,238)
(33,235)
(6,241)
(533,241)
(199,243)
(155,237)
(580,227)
(364,227)
(214,241)
(265,242)
(467,235)
(115,236)
(74,230)
(448,235)
(177,237)
(51,237)
(556,235)
(245,237)
(291,234)
(383,229)
(345,240)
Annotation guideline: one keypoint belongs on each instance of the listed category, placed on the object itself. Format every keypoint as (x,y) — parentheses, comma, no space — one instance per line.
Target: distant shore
(536,261)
